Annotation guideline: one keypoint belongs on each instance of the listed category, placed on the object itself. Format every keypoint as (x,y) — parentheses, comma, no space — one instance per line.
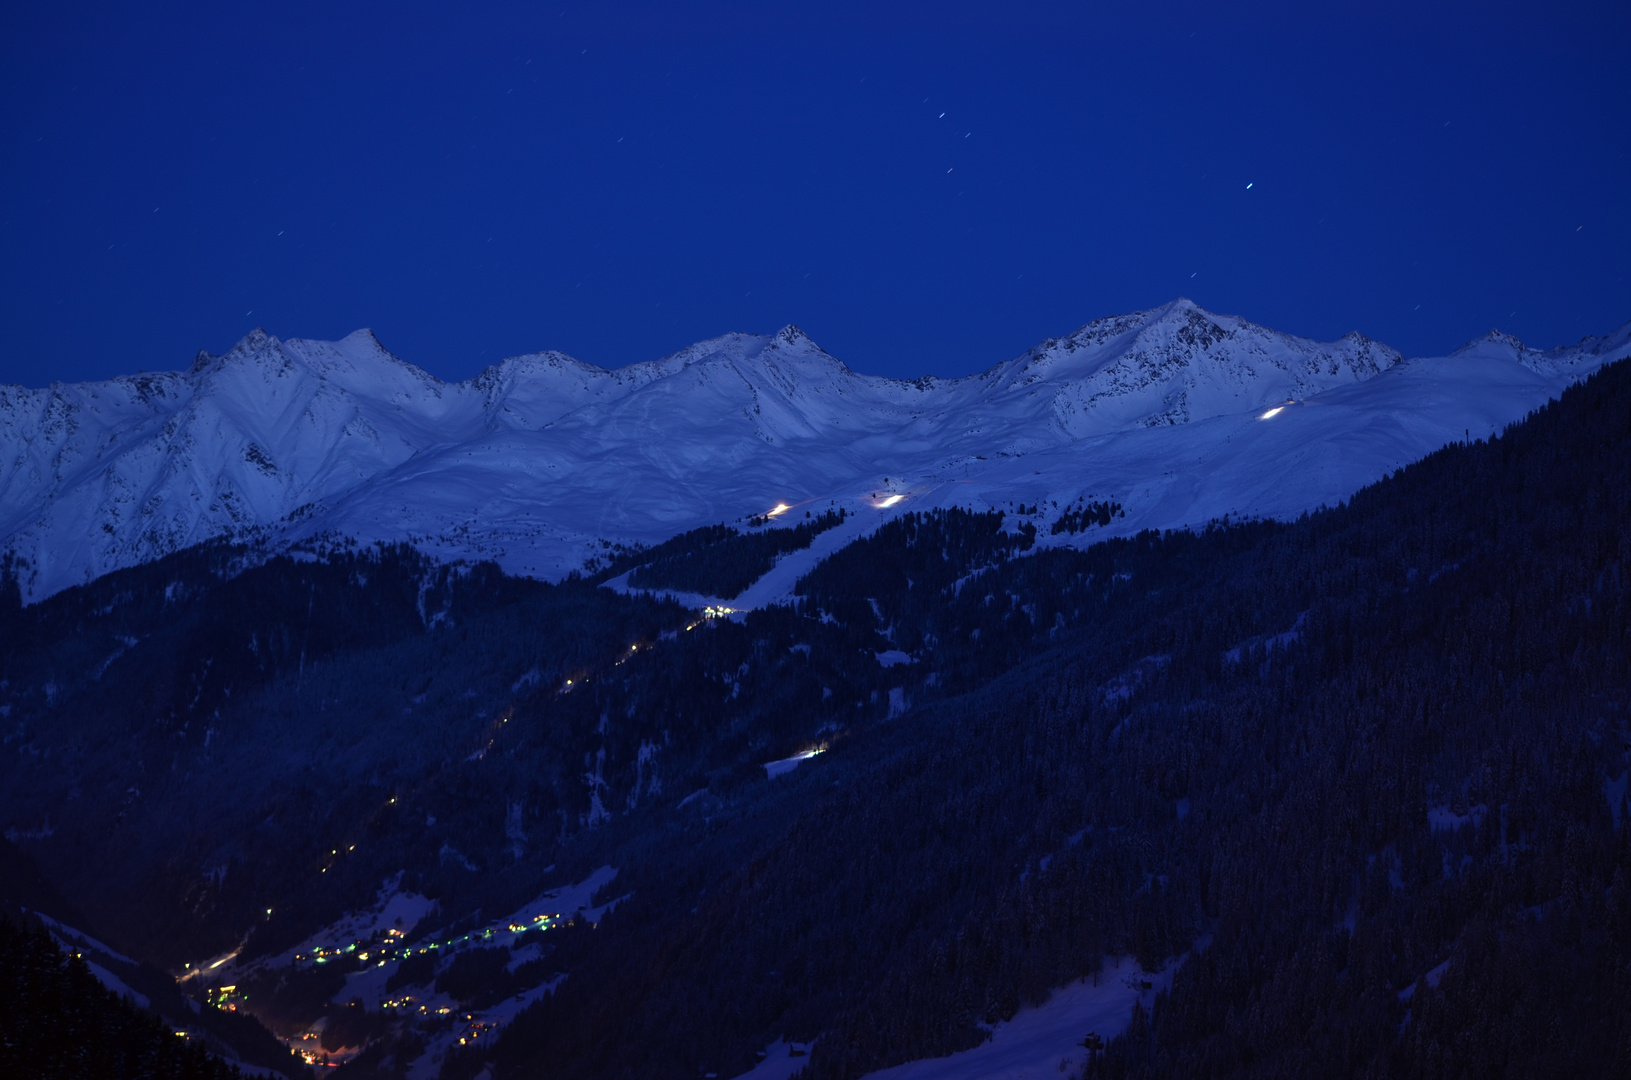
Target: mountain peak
(1493,345)
(366,338)
(257,340)
(794,343)
(792,335)
(254,343)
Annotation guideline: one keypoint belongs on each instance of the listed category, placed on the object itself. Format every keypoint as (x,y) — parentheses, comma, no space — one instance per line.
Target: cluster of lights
(711,612)
(310,1057)
(387,947)
(477,1027)
(388,950)
(222,997)
(406,1002)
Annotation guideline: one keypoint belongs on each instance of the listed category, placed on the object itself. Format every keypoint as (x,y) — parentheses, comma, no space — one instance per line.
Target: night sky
(925,188)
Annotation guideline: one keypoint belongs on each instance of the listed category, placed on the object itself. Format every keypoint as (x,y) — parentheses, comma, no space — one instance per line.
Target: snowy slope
(541,458)
(1045,1042)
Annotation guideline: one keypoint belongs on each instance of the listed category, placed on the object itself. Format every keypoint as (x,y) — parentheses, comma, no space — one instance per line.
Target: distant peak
(252,343)
(1498,338)
(792,335)
(1194,324)
(366,340)
(256,341)
(1181,310)
(365,336)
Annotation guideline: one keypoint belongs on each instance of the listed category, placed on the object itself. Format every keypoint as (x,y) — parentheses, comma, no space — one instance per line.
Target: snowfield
(1045,1042)
(541,460)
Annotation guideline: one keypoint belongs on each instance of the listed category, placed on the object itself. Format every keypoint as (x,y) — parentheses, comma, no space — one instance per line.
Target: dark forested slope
(57,1022)
(1340,754)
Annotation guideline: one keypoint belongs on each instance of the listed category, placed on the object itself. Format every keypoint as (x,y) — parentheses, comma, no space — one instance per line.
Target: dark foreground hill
(1318,760)
(59,1018)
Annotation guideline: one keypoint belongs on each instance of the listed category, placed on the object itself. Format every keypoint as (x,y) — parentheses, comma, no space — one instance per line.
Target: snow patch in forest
(71,937)
(786,765)
(1614,789)
(1446,819)
(567,900)
(1045,1042)
(783,1060)
(1129,682)
(1431,978)
(1270,643)
(899,703)
(116,984)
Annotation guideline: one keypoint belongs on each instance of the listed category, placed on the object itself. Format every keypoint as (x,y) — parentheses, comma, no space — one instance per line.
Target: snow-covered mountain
(540,459)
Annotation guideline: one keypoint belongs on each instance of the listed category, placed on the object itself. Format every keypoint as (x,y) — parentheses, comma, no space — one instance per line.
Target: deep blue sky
(923,188)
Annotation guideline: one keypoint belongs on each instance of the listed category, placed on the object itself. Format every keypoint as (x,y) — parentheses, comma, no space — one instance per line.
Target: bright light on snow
(1271,412)
(774,769)
(887,502)
(780,508)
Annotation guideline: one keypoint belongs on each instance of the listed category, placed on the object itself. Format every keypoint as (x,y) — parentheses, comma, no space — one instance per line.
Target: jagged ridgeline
(717,560)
